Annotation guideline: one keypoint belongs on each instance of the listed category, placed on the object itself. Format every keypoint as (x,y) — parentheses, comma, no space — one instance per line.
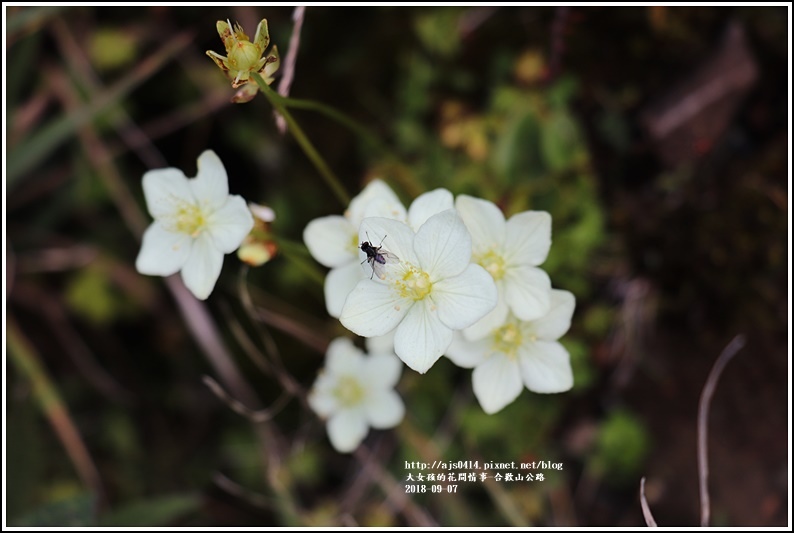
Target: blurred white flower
(510,251)
(433,290)
(196,222)
(355,392)
(517,354)
(334,240)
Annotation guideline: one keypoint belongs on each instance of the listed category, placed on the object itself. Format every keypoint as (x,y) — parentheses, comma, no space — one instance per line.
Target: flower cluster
(446,276)
(429,291)
(453,277)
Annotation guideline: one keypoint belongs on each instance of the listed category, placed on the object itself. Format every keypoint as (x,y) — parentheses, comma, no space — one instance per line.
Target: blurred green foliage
(621,447)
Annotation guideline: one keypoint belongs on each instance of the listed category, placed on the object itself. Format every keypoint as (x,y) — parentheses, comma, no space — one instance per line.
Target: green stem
(353,125)
(404,174)
(303,141)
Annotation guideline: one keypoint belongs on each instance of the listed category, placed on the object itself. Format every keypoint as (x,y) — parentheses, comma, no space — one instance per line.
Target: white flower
(334,240)
(510,251)
(354,392)
(432,290)
(519,354)
(196,222)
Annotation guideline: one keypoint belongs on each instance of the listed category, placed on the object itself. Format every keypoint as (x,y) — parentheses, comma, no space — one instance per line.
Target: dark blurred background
(656,136)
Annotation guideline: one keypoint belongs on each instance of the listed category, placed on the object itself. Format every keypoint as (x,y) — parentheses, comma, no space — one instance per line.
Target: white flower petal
(385,409)
(339,283)
(230,224)
(321,398)
(375,200)
(528,291)
(528,238)
(372,309)
(394,236)
(262,212)
(343,358)
(211,186)
(203,267)
(493,320)
(382,344)
(331,240)
(463,300)
(484,220)
(421,338)
(546,367)
(557,321)
(467,354)
(443,245)
(165,189)
(428,204)
(381,371)
(347,428)
(162,252)
(496,382)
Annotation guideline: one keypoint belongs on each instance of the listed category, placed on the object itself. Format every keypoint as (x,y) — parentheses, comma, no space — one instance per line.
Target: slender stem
(703,413)
(405,174)
(303,141)
(353,125)
(646,510)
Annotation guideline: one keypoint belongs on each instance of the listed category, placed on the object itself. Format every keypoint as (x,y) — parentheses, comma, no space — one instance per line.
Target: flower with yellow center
(355,392)
(431,292)
(196,222)
(518,354)
(334,240)
(510,251)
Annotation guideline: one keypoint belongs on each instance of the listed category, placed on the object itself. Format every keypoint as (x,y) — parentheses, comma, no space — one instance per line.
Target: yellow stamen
(348,391)
(492,262)
(508,339)
(414,284)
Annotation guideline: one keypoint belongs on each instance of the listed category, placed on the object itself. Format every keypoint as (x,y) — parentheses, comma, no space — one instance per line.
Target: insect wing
(389,258)
(381,259)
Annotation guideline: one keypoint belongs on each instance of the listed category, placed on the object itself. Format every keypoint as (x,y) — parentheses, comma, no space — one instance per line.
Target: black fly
(377,258)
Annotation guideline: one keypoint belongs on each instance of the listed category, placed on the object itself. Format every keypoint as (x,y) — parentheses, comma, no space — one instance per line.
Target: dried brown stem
(646,510)
(703,412)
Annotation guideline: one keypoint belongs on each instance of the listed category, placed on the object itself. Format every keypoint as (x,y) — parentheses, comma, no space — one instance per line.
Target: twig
(288,65)
(128,130)
(395,491)
(235,489)
(703,412)
(646,511)
(56,320)
(558,29)
(257,417)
